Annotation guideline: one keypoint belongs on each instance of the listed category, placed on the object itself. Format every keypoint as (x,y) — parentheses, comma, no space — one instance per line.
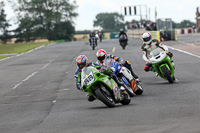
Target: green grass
(4,56)
(12,49)
(19,48)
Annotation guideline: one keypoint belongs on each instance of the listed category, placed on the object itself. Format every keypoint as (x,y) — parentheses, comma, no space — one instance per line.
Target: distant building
(198,18)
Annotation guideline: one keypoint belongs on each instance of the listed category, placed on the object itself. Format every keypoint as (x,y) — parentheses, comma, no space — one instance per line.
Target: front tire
(93,47)
(129,89)
(167,74)
(105,97)
(123,44)
(136,87)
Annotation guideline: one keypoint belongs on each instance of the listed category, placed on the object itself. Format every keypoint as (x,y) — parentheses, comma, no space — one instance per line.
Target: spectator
(144,24)
(154,27)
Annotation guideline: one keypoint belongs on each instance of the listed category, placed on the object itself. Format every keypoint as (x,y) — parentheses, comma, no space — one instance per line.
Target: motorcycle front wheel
(105,96)
(139,90)
(167,74)
(128,89)
(93,47)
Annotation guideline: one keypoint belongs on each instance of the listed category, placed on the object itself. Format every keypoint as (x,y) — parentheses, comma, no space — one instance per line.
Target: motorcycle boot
(90,97)
(173,63)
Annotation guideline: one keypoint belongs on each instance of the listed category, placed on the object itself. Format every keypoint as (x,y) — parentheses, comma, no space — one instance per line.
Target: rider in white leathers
(148,45)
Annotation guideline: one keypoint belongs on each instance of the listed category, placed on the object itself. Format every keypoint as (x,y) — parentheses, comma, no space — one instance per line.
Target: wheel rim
(129,88)
(107,95)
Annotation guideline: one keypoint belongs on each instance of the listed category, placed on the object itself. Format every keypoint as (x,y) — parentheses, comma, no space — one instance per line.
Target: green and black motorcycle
(162,64)
(103,87)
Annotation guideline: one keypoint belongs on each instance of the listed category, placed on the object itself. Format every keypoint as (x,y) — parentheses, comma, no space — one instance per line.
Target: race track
(38,92)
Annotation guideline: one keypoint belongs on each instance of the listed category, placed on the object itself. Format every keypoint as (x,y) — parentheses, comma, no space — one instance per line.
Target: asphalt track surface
(38,92)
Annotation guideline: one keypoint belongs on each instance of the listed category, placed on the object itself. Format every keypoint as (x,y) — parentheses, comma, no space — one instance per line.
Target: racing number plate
(89,79)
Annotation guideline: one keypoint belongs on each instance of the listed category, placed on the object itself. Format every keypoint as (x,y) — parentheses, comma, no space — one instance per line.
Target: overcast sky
(178,10)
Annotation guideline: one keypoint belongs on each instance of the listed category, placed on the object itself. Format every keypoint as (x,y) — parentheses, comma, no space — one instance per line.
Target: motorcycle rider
(100,33)
(122,32)
(91,35)
(148,45)
(82,61)
(102,56)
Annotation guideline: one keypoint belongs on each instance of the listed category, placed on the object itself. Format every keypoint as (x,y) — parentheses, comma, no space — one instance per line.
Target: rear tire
(167,74)
(106,99)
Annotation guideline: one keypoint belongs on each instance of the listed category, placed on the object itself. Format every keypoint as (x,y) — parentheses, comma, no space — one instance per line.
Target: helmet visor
(82,65)
(147,39)
(101,58)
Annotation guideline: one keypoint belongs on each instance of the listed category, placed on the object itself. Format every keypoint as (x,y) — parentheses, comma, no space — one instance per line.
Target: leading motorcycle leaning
(103,87)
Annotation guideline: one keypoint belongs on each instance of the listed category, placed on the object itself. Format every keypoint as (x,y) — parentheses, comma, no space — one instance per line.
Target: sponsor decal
(108,83)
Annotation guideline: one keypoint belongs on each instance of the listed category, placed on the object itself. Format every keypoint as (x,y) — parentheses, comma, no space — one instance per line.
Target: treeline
(48,19)
(115,21)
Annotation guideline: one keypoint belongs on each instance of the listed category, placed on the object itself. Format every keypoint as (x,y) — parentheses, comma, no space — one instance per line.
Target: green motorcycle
(162,64)
(103,87)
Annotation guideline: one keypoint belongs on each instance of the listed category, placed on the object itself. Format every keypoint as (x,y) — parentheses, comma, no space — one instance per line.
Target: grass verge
(4,56)
(18,48)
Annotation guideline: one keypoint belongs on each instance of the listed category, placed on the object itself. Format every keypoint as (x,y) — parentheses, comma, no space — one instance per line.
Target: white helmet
(147,38)
(101,55)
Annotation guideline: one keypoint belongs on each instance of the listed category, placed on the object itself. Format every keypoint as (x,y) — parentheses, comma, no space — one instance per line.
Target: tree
(183,24)
(4,25)
(186,24)
(109,21)
(41,18)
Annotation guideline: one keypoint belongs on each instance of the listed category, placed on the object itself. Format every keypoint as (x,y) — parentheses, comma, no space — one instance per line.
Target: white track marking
(113,50)
(17,85)
(65,89)
(30,76)
(45,66)
(184,52)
